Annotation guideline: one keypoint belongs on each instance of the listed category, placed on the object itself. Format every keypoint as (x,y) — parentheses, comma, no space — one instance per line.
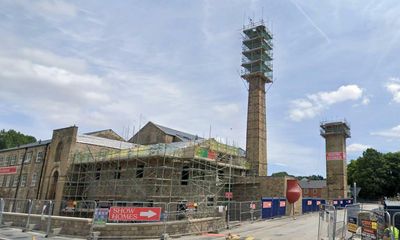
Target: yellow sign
(351,227)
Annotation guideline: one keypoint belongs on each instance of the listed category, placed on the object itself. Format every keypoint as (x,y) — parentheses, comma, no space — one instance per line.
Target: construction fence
(355,222)
(49,216)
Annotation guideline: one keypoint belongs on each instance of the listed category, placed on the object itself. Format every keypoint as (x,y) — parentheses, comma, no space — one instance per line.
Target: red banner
(8,170)
(134,214)
(335,156)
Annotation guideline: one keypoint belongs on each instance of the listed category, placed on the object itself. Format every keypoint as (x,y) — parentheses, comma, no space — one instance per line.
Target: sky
(120,64)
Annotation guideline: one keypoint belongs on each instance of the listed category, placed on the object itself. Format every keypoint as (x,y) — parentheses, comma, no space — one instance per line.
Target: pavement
(16,233)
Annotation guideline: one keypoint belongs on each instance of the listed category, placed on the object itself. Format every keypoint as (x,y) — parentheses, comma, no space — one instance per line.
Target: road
(304,227)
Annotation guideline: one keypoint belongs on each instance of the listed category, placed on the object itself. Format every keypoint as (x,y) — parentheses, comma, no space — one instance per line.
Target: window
(210,201)
(220,174)
(59,150)
(8,162)
(117,173)
(97,173)
(13,160)
(314,191)
(21,158)
(23,180)
(140,171)
(14,181)
(306,191)
(39,157)
(2,178)
(185,176)
(34,180)
(28,157)
(2,163)
(6,181)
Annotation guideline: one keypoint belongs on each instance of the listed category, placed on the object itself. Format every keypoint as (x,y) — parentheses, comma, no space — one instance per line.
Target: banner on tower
(335,156)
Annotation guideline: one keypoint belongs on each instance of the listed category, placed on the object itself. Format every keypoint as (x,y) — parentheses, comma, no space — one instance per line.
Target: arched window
(53,186)
(59,150)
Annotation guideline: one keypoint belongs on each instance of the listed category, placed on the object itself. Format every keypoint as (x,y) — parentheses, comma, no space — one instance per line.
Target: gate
(330,224)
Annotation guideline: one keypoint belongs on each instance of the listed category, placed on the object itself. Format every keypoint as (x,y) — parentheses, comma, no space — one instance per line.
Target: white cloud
(365,100)
(46,7)
(314,104)
(390,133)
(357,147)
(393,87)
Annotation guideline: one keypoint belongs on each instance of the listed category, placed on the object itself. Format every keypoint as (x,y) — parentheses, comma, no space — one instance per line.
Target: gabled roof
(312,183)
(106,133)
(181,135)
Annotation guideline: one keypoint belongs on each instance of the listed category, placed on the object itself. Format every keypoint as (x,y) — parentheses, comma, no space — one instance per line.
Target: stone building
(158,164)
(38,170)
(100,165)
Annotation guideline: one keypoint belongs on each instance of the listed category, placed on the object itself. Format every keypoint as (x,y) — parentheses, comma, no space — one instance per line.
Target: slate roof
(312,183)
(181,135)
(29,145)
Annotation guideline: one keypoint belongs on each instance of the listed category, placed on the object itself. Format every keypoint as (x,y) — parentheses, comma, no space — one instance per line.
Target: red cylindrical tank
(293,191)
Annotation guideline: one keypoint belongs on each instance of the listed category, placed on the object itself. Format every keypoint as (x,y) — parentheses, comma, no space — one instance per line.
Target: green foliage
(376,173)
(281,174)
(312,177)
(12,138)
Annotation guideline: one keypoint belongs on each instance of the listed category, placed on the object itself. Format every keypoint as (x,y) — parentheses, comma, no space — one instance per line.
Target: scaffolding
(197,171)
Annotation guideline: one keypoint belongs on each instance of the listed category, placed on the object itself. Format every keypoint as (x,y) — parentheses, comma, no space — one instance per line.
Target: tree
(12,138)
(281,174)
(377,174)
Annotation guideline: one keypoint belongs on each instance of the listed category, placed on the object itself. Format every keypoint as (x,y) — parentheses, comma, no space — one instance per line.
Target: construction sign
(100,217)
(228,195)
(267,204)
(134,214)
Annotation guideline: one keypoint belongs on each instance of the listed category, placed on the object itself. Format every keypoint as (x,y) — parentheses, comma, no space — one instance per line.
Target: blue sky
(119,64)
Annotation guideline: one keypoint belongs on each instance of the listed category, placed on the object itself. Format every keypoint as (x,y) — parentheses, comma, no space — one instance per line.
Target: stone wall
(69,225)
(81,226)
(151,230)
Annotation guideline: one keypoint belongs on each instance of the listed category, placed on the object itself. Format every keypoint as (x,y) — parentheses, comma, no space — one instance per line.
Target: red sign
(267,204)
(335,156)
(212,155)
(8,170)
(282,204)
(309,203)
(318,203)
(134,214)
(229,195)
(252,206)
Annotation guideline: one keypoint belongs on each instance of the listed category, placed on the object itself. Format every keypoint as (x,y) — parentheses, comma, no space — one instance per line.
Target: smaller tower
(335,134)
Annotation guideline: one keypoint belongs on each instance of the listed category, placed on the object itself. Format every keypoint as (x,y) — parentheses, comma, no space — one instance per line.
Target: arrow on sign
(148,214)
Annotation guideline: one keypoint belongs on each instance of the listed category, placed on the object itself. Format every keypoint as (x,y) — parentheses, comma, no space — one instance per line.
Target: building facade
(172,166)
(313,188)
